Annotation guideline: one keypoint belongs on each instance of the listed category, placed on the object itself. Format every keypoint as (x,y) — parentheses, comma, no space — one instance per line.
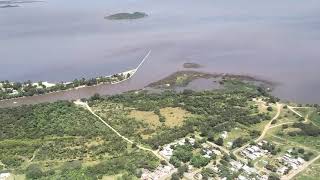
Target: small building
(224,134)
(249,170)
(4,176)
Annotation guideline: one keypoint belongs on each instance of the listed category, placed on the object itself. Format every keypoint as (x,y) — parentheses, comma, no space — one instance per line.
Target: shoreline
(193,74)
(12,103)
(130,72)
(74,88)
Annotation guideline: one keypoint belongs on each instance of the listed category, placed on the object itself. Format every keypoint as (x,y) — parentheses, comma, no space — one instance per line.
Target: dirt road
(85,105)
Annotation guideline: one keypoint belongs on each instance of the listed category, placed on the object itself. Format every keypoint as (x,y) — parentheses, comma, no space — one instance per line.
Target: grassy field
(315,117)
(148,117)
(174,116)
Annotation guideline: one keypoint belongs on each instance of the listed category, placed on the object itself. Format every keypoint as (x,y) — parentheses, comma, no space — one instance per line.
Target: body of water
(60,40)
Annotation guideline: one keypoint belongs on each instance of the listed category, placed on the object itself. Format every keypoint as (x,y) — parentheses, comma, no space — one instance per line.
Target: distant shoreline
(193,75)
(126,16)
(73,88)
(16,90)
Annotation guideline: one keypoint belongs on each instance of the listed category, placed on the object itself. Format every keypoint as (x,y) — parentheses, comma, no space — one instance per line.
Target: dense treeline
(49,119)
(306,129)
(129,164)
(62,132)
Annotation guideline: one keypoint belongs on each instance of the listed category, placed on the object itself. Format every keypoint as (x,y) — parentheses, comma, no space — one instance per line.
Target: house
(224,134)
(217,152)
(4,176)
(167,151)
(249,170)
(282,170)
(242,178)
(236,164)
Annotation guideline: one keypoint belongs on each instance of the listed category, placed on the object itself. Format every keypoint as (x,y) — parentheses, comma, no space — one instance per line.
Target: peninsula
(9,90)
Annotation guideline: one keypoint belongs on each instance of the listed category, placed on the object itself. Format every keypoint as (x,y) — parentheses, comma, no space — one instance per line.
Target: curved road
(264,132)
(267,127)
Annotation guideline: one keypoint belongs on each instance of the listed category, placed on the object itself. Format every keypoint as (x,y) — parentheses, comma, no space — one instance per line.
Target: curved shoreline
(130,72)
(55,96)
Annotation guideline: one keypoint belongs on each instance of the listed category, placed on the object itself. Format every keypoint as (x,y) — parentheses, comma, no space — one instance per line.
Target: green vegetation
(211,112)
(63,141)
(312,173)
(44,140)
(199,161)
(10,90)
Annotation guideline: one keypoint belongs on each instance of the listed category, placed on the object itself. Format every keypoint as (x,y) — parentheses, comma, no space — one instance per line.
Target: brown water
(62,40)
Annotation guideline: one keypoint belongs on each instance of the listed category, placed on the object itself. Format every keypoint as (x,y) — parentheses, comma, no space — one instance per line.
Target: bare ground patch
(148,117)
(174,116)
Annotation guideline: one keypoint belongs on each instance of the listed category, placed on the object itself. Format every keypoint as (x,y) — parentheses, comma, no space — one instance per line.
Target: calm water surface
(62,40)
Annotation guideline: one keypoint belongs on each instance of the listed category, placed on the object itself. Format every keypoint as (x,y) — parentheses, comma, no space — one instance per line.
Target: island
(237,132)
(191,65)
(126,16)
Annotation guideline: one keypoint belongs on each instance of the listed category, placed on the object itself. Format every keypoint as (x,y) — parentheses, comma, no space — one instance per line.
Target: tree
(163,162)
(207,172)
(183,153)
(175,161)
(239,142)
(211,137)
(96,96)
(219,141)
(273,176)
(34,172)
(250,164)
(199,161)
(301,150)
(175,176)
(269,108)
(182,169)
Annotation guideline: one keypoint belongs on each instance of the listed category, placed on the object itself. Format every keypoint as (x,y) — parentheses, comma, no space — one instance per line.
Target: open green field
(315,117)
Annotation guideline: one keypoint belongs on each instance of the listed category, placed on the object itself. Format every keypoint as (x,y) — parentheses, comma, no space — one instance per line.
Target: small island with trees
(126,16)
(190,65)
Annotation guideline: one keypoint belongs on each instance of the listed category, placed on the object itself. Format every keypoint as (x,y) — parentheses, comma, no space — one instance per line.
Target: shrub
(34,172)
(199,161)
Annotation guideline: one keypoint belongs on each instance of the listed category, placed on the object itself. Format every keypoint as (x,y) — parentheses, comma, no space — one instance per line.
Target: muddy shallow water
(61,40)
